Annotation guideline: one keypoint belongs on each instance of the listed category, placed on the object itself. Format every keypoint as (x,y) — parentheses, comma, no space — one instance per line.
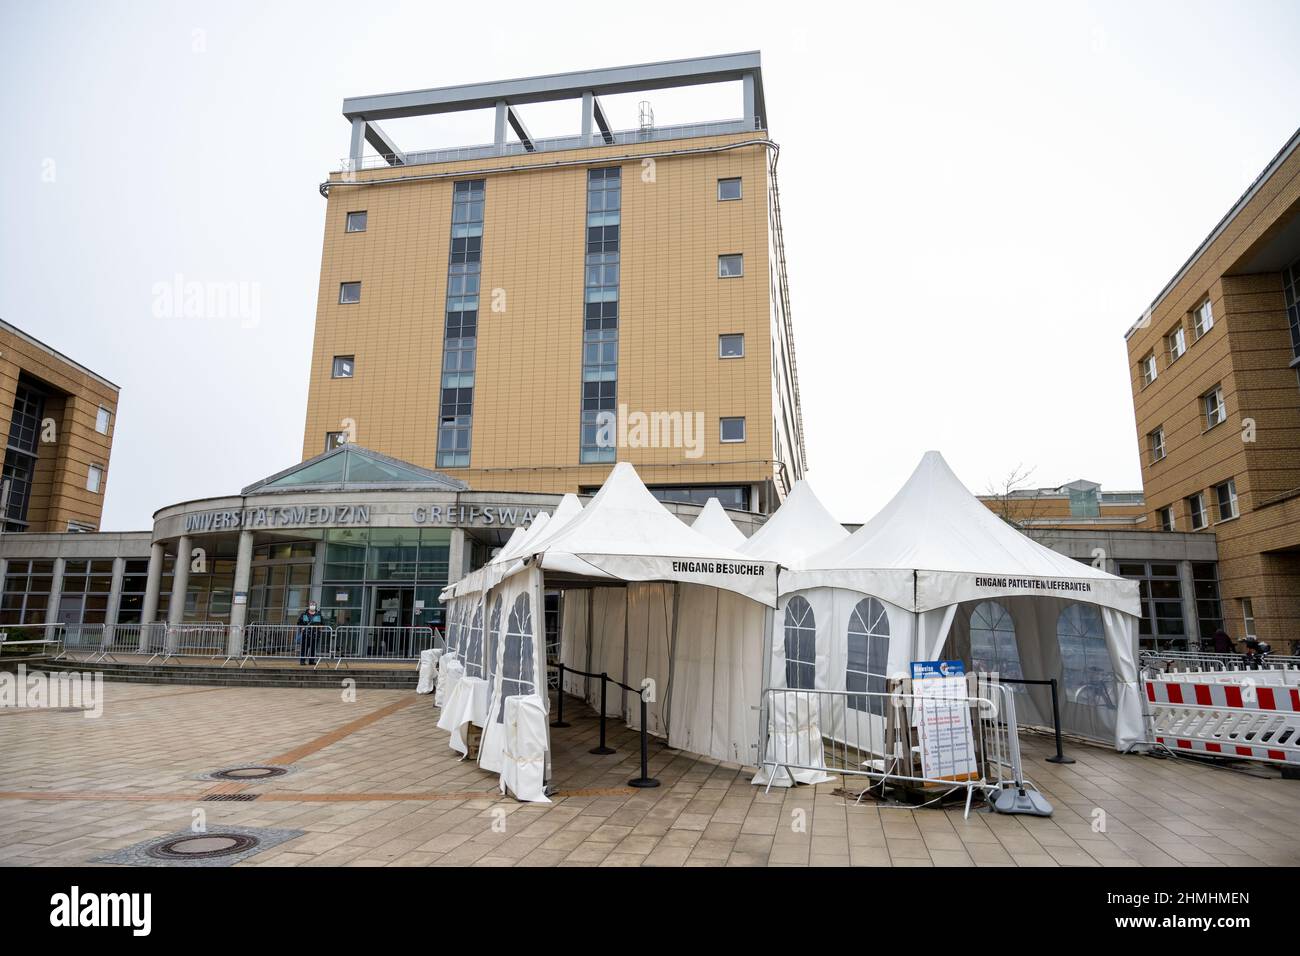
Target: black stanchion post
(644,781)
(602,749)
(1059,756)
(559,701)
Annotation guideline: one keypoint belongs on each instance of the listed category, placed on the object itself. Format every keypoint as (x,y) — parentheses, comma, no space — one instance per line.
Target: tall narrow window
(1226,496)
(1215,409)
(474,649)
(102,417)
(600,316)
(993,648)
(460,338)
(1148,369)
(94,477)
(1291,289)
(868,656)
(1196,511)
(800,645)
(517,661)
(494,642)
(1176,343)
(1248,617)
(1156,444)
(1165,518)
(1202,318)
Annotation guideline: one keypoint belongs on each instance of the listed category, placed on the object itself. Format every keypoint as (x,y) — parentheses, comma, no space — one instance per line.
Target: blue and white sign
(923,669)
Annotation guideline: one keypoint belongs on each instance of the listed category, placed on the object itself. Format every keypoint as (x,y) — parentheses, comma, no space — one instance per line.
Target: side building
(520,315)
(1215,367)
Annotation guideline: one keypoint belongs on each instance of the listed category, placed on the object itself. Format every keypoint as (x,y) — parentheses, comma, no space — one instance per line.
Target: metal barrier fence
(133,639)
(1208,661)
(208,639)
(85,639)
(891,737)
(1247,722)
(283,641)
(367,642)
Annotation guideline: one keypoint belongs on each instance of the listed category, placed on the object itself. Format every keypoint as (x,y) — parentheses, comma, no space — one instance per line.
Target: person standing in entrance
(1222,642)
(310,623)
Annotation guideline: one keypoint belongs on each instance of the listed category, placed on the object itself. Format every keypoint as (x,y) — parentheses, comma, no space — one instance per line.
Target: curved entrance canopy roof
(353,468)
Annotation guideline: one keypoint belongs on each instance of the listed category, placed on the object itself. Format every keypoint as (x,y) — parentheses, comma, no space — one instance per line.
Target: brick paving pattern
(373,783)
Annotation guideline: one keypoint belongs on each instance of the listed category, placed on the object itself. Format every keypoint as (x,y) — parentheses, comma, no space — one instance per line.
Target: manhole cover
(202,846)
(248,773)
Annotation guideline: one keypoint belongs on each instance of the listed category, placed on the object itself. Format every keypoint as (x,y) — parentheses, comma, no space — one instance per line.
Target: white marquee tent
(713,523)
(798,529)
(937,574)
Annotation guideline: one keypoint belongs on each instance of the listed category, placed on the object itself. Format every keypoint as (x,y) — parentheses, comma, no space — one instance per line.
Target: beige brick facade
(1248,353)
(673,307)
(69,444)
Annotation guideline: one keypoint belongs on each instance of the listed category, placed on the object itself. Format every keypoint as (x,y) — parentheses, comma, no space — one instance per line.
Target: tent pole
(769,629)
(666,698)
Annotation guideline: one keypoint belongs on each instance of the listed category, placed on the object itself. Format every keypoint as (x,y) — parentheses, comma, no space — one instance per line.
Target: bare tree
(1016,510)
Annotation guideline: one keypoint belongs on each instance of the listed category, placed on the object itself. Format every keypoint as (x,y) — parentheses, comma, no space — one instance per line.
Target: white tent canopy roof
(936,544)
(800,528)
(713,523)
(625,533)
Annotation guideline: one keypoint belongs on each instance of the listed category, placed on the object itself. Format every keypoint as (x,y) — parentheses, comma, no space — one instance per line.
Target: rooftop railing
(549,145)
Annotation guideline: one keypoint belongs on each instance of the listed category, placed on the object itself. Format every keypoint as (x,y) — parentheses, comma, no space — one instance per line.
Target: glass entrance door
(392,606)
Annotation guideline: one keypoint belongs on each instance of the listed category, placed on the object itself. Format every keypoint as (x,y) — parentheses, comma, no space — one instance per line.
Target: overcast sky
(979,200)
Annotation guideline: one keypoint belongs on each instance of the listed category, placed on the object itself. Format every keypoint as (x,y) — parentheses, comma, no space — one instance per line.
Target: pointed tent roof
(936,544)
(626,533)
(713,523)
(798,529)
(351,467)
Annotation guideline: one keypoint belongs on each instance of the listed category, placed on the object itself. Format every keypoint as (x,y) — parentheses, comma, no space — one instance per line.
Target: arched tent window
(993,647)
(474,648)
(494,640)
(1086,669)
(868,652)
(517,662)
(453,629)
(800,645)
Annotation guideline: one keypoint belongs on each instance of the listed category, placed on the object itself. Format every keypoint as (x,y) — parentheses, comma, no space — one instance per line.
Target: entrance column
(180,581)
(456,562)
(153,583)
(52,605)
(114,598)
(239,609)
(318,574)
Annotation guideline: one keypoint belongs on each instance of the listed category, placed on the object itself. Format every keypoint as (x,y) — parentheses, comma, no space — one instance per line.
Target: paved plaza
(373,783)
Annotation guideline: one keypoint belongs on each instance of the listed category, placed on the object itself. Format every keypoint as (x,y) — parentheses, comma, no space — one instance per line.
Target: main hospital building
(497,324)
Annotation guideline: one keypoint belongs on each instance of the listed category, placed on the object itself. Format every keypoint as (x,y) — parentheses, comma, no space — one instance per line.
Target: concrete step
(371,678)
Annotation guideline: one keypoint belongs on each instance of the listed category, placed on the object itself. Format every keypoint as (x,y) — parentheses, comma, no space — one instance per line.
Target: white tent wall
(1100,698)
(575,606)
(649,654)
(608,648)
(717,674)
(521,606)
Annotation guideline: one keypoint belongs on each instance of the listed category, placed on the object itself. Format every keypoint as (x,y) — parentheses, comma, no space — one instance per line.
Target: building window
(344,366)
(1248,618)
(731,430)
(135,581)
(349,293)
(597,443)
(21,452)
(1209,610)
(1176,343)
(102,417)
(731,266)
(1165,518)
(1196,511)
(1156,444)
(460,335)
(1215,410)
(1202,318)
(81,527)
(1148,365)
(800,645)
(83,598)
(728,189)
(1160,591)
(94,477)
(1226,496)
(731,345)
(335,440)
(868,656)
(731,497)
(357,221)
(26,592)
(1291,289)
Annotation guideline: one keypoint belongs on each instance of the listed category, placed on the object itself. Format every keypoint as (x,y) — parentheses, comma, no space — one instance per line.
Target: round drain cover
(249,773)
(202,846)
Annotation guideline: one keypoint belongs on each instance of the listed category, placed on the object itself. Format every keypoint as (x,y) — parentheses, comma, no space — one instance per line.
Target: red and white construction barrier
(1242,720)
